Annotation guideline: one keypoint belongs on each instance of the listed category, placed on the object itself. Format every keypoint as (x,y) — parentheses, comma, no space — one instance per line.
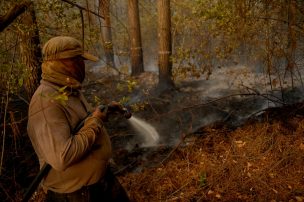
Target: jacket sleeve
(59,147)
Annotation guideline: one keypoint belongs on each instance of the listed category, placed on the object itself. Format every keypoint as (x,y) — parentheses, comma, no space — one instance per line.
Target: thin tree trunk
(165,44)
(106,37)
(135,38)
(31,51)
(292,40)
(89,15)
(269,55)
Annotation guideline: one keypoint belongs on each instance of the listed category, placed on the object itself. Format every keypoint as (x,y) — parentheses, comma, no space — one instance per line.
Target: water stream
(147,131)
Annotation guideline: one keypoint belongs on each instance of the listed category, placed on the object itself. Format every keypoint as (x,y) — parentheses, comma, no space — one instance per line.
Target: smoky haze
(231,95)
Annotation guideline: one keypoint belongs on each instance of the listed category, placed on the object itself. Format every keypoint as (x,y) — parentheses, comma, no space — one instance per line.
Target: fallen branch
(180,188)
(175,148)
(266,96)
(130,165)
(182,139)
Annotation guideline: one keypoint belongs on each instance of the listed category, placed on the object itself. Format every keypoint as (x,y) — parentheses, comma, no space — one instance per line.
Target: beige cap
(62,47)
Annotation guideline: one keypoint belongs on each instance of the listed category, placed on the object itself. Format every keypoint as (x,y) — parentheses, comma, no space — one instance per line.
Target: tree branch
(82,8)
(278,20)
(13,13)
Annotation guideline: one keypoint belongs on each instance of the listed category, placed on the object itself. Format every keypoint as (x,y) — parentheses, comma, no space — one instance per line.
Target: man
(79,161)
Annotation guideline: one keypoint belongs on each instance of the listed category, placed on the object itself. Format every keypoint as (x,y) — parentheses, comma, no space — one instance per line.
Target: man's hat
(62,47)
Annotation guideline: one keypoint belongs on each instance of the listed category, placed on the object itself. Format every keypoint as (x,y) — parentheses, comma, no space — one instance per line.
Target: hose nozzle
(126,113)
(116,108)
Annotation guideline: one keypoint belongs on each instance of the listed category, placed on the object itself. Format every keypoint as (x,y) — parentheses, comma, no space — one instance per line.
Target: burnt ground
(243,146)
(232,148)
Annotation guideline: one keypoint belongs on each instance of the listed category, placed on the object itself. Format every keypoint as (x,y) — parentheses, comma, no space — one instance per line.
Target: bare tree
(135,38)
(165,45)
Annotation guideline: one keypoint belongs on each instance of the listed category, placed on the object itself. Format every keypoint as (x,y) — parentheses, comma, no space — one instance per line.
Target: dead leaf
(302,146)
(218,196)
(210,192)
(240,143)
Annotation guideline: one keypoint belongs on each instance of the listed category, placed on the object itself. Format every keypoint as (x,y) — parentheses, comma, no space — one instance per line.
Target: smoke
(222,100)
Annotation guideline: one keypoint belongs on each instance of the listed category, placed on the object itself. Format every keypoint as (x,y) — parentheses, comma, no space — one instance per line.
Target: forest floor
(225,158)
(260,158)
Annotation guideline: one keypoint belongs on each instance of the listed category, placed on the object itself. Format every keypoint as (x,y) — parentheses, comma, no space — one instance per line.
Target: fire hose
(107,109)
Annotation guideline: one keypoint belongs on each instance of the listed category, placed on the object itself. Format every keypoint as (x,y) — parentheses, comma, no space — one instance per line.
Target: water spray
(146,130)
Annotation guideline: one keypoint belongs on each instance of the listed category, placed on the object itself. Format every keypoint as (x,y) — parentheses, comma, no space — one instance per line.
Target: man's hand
(104,111)
(99,114)
(114,107)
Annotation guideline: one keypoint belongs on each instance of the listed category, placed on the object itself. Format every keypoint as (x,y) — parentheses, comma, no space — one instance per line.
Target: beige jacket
(77,159)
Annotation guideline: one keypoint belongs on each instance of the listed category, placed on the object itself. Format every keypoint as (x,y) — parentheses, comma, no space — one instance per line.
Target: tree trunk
(30,51)
(106,37)
(135,38)
(292,40)
(12,14)
(269,55)
(165,44)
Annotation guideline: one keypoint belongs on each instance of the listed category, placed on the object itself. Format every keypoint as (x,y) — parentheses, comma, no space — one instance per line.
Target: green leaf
(62,89)
(203,179)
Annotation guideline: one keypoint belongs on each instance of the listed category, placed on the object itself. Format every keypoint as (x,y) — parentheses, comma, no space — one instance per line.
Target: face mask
(75,68)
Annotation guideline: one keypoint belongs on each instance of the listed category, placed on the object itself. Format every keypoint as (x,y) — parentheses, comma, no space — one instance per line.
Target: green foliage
(209,33)
(131,85)
(57,17)
(12,77)
(203,179)
(206,33)
(139,106)
(97,100)
(197,35)
(61,96)
(128,86)
(124,100)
